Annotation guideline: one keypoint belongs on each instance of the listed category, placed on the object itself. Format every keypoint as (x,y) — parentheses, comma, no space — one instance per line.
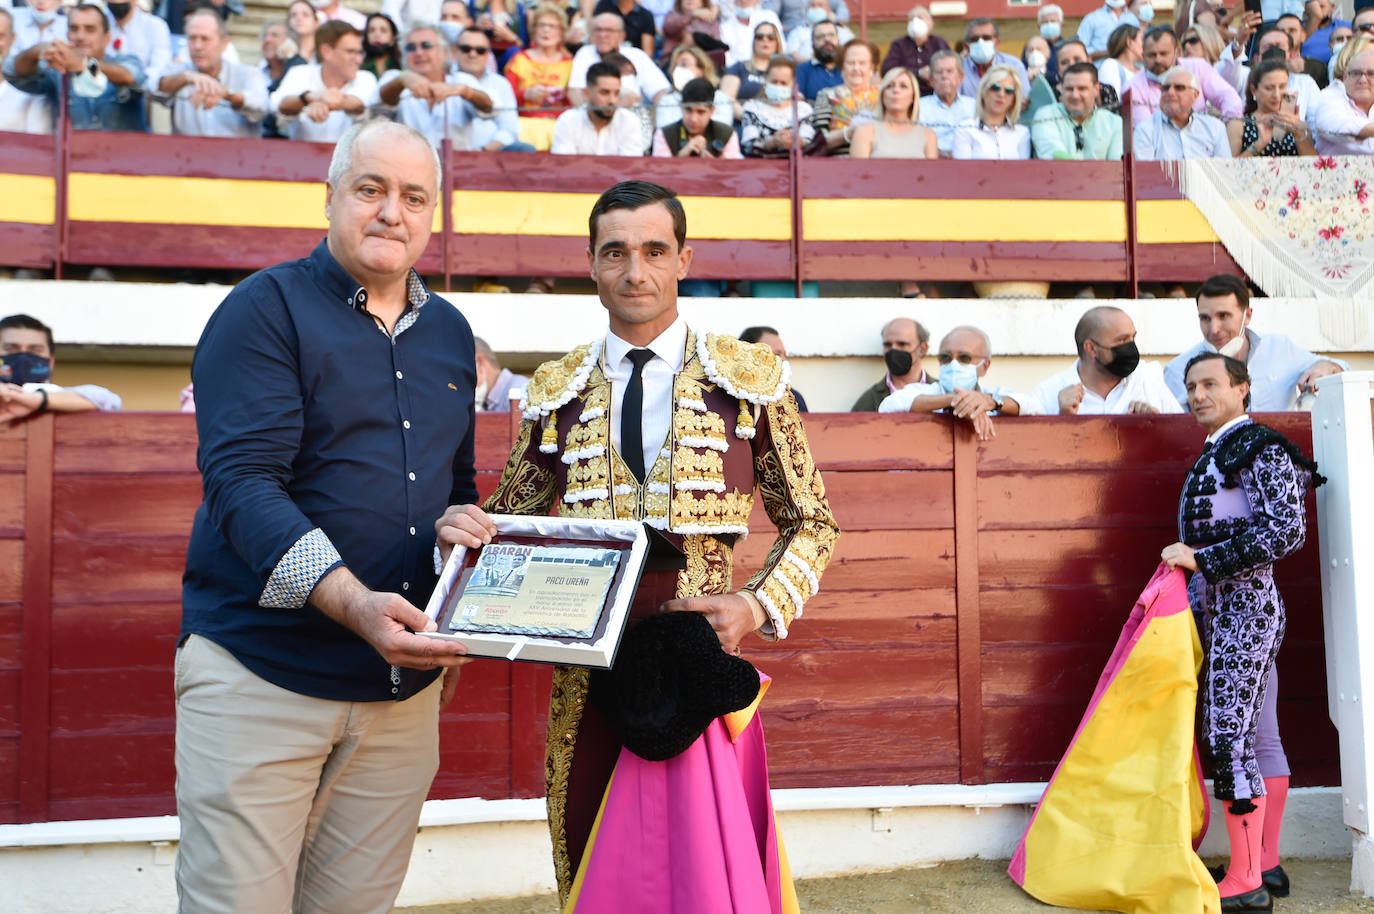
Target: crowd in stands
(709,79)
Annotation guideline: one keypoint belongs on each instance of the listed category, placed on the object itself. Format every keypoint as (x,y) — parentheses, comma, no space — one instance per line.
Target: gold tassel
(744,425)
(548,442)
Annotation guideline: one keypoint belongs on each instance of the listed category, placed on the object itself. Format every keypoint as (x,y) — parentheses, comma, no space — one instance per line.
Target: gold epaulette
(746,371)
(555,383)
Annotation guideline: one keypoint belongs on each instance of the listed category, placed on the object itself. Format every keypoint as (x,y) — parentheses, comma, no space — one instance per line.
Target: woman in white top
(994,134)
(1124,53)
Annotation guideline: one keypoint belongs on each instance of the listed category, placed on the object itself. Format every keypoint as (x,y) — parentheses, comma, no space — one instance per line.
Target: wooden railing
(976,594)
(121,199)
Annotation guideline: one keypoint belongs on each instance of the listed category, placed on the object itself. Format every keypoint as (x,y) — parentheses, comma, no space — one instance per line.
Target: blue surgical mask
(777,94)
(43,17)
(958,375)
(1050,31)
(25,368)
(816,14)
(1145,13)
(982,51)
(451,31)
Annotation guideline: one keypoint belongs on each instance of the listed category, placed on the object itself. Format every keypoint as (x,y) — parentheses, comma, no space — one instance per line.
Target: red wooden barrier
(976,594)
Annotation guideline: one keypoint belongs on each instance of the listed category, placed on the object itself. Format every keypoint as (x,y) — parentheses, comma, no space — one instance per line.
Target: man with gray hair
(984,42)
(1177,131)
(945,109)
(208,95)
(427,95)
(905,343)
(334,400)
(965,356)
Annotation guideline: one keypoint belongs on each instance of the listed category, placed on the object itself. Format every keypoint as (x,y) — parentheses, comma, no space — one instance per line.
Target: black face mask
(1125,358)
(378,50)
(119,10)
(898,361)
(25,368)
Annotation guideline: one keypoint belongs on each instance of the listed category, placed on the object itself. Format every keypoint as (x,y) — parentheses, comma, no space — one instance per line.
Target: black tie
(632,415)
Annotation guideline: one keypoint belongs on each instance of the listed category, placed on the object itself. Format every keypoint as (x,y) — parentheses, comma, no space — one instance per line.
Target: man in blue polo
(334,401)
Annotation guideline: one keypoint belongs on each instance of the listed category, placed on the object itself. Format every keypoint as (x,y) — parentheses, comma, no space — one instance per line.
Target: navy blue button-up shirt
(323,442)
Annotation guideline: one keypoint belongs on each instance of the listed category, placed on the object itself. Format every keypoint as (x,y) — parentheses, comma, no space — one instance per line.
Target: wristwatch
(305,97)
(91,66)
(996,400)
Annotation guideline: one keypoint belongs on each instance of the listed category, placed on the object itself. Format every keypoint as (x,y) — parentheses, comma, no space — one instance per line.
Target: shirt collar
(1221,432)
(668,346)
(338,284)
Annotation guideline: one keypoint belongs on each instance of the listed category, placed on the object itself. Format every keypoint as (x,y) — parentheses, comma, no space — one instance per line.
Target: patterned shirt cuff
(300,569)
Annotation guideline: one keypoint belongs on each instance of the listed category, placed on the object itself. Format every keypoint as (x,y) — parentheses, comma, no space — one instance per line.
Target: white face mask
(1050,31)
(629,85)
(917,29)
(982,50)
(1036,60)
(1116,4)
(681,77)
(88,86)
(1145,13)
(1336,48)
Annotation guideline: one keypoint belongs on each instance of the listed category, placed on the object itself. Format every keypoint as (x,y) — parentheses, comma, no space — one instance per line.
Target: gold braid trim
(525,487)
(567,701)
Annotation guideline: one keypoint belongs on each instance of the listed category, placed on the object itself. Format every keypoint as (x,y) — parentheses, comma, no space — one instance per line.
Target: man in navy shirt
(334,401)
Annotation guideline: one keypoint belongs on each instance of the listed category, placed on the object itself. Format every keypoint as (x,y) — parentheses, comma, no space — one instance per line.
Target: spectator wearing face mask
(767,126)
(1321,27)
(26,371)
(39,21)
(1098,26)
(914,50)
(983,39)
(1108,379)
(380,52)
(687,66)
(1143,10)
(905,343)
(965,355)
(1050,21)
(792,13)
(143,35)
(799,39)
(20,112)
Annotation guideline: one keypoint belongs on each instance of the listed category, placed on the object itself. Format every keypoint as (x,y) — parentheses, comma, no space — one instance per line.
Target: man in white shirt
(965,355)
(1098,26)
(41,20)
(208,95)
(26,366)
(497,125)
(608,35)
(1108,378)
(1279,368)
(1233,67)
(20,112)
(946,108)
(1176,131)
(600,127)
(1160,56)
(407,13)
(318,102)
(1344,120)
(143,35)
(426,96)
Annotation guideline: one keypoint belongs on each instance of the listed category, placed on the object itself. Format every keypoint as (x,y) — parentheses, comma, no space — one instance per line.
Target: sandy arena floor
(969,887)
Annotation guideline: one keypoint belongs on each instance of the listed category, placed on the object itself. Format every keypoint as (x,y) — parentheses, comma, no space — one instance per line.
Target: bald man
(965,355)
(905,343)
(1108,378)
(494,383)
(608,36)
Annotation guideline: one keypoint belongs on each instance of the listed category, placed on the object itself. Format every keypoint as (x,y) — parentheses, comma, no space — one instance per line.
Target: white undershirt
(658,376)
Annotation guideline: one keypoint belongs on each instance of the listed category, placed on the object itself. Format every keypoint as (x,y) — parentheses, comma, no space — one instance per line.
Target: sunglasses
(1005,90)
(412,46)
(1175,87)
(765,36)
(1191,40)
(469,49)
(1366,27)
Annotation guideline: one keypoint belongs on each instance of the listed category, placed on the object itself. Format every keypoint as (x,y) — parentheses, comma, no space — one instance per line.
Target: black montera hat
(670,680)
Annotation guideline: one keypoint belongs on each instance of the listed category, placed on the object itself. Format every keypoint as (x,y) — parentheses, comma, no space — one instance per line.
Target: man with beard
(145,36)
(1161,55)
(905,343)
(984,42)
(600,127)
(1108,378)
(208,95)
(105,91)
(823,69)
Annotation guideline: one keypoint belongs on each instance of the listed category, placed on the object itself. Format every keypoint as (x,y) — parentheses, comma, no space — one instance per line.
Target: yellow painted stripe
(1171,222)
(200,201)
(964,220)
(31,199)
(498,212)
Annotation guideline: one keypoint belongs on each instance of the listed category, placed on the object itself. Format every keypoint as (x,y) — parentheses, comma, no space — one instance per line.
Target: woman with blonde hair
(994,134)
(894,134)
(539,74)
(1204,41)
(687,63)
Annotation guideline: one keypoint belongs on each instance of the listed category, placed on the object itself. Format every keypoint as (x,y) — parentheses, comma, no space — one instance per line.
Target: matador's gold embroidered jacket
(735,426)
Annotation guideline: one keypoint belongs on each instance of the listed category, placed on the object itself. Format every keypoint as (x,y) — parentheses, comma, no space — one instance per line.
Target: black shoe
(1258,900)
(1276,881)
(1218,872)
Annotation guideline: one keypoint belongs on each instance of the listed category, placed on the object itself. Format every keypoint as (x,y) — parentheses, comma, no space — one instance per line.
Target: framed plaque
(546,589)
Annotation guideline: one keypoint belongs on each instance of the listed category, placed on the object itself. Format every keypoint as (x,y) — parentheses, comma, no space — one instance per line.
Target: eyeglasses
(1358,75)
(412,46)
(1005,90)
(963,358)
(1174,87)
(469,49)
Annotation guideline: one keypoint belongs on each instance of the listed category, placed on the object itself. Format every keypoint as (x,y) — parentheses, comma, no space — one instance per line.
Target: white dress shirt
(307,78)
(574,134)
(222,120)
(651,79)
(502,125)
(1275,363)
(1337,121)
(146,37)
(943,118)
(1098,26)
(418,114)
(22,112)
(657,417)
(1145,384)
(28,33)
(1203,137)
(978,141)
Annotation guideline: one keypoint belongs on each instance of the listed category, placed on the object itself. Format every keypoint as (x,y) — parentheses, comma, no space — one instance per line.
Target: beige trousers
(293,803)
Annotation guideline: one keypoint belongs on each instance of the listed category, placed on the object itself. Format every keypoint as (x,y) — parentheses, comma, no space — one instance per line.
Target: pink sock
(1246,832)
(1276,794)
